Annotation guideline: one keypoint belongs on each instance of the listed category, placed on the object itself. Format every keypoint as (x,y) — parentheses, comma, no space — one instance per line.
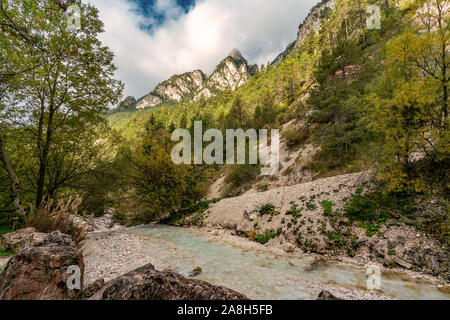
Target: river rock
(251,215)
(92,289)
(196,272)
(402,263)
(39,272)
(14,241)
(289,248)
(96,224)
(146,283)
(388,261)
(325,295)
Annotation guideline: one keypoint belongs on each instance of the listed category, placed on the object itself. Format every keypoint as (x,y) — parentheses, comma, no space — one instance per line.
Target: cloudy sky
(155,39)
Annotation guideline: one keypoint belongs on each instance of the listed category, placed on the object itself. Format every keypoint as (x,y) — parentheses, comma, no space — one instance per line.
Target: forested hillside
(366,99)
(369,99)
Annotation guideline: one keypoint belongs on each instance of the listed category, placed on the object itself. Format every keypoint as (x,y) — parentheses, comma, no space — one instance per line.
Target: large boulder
(39,272)
(14,241)
(146,283)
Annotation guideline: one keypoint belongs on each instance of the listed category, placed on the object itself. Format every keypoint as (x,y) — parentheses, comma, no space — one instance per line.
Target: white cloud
(199,39)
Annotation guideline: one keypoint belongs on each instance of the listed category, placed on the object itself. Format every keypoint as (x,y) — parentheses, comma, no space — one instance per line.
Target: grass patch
(264,237)
(371,210)
(268,209)
(328,208)
(311,206)
(5,253)
(336,238)
(294,210)
(371,228)
(5,230)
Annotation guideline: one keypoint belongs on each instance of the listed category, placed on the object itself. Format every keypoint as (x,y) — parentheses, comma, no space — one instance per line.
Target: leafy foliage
(55,87)
(265,237)
(268,209)
(294,211)
(328,208)
(368,99)
(5,229)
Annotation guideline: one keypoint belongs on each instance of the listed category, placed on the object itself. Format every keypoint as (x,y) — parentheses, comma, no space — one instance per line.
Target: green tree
(156,185)
(69,89)
(341,78)
(409,113)
(237,115)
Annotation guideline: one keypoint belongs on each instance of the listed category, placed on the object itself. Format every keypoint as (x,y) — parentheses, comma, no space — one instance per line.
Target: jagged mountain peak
(236,55)
(232,72)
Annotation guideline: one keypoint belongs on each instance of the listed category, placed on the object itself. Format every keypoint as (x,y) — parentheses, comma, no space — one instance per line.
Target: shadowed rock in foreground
(325,295)
(146,283)
(39,271)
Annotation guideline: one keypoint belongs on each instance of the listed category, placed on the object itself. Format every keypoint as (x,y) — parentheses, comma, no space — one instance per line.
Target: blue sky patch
(146,8)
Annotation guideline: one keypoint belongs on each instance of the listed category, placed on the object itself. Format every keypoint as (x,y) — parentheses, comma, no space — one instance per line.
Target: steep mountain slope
(312,22)
(232,72)
(175,89)
(328,96)
(300,219)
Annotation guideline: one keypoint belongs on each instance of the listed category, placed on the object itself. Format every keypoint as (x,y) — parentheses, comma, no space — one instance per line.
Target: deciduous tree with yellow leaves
(410,102)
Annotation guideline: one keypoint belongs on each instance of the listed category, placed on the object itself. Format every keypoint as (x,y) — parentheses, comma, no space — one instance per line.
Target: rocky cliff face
(180,87)
(129,103)
(232,72)
(149,100)
(312,22)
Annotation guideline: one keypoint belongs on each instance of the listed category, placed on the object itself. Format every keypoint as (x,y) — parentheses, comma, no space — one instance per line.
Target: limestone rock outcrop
(232,72)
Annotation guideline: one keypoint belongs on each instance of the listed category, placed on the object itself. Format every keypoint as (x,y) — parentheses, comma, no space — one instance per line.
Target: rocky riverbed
(296,220)
(225,259)
(260,273)
(109,255)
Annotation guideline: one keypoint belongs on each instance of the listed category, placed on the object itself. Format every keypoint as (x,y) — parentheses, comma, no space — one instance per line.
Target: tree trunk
(445,104)
(40,183)
(44,160)
(15,184)
(444,70)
